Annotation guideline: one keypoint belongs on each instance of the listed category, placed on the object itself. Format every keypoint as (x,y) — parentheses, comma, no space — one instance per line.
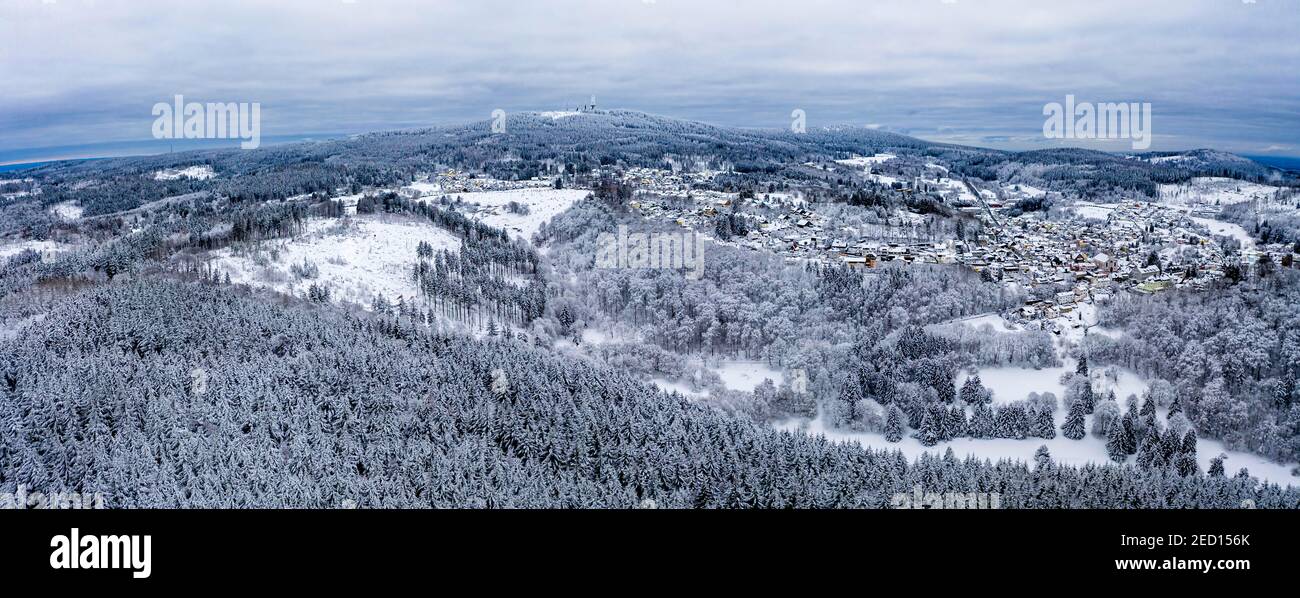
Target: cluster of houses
(1063,263)
(455,181)
(1138,247)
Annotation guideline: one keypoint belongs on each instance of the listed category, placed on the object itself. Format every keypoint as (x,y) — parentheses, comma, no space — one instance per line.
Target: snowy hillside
(357,259)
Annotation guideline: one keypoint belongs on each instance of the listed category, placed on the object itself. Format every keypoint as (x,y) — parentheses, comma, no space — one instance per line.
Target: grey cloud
(1217,72)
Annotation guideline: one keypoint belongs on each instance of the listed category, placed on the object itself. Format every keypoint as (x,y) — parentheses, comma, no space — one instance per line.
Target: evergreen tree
(894,424)
(1044,424)
(1189,444)
(1074,427)
(1087,397)
(981,422)
(1148,406)
(1175,408)
(1149,450)
(957,426)
(1170,447)
(1042,459)
(1150,424)
(928,433)
(1115,443)
(1216,466)
(566,320)
(1129,423)
(973,392)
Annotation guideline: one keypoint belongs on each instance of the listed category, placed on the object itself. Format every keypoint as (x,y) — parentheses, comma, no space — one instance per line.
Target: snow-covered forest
(373,321)
(165,394)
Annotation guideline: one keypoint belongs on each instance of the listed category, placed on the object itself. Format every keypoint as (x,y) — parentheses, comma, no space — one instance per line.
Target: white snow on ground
(426,188)
(1226,229)
(200,173)
(543,204)
(1010,384)
(866,161)
(349,202)
(747,375)
(1093,211)
(46,248)
(1090,449)
(949,186)
(1027,190)
(1013,384)
(680,388)
(558,114)
(1214,191)
(1110,332)
(992,320)
(358,258)
(67,210)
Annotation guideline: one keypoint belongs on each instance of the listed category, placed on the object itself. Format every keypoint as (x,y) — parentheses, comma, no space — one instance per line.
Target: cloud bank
(1218,73)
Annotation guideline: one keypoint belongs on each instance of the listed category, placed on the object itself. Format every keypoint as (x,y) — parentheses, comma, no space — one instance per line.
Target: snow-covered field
(1093,211)
(1226,229)
(1090,449)
(200,173)
(994,321)
(46,248)
(543,204)
(1010,384)
(866,161)
(358,258)
(67,210)
(747,375)
(1026,190)
(1214,191)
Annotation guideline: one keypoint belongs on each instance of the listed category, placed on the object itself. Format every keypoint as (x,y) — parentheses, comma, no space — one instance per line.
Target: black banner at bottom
(173,549)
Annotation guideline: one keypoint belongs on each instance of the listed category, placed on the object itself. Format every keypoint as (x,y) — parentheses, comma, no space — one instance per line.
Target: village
(1071,260)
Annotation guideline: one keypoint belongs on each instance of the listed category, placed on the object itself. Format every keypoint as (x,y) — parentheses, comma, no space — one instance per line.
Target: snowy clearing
(866,161)
(1093,211)
(1227,229)
(1214,191)
(1010,384)
(46,248)
(198,173)
(1090,449)
(542,203)
(992,320)
(358,258)
(67,210)
(747,375)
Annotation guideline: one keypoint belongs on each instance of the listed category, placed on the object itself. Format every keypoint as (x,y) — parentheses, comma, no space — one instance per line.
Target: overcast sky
(1218,73)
